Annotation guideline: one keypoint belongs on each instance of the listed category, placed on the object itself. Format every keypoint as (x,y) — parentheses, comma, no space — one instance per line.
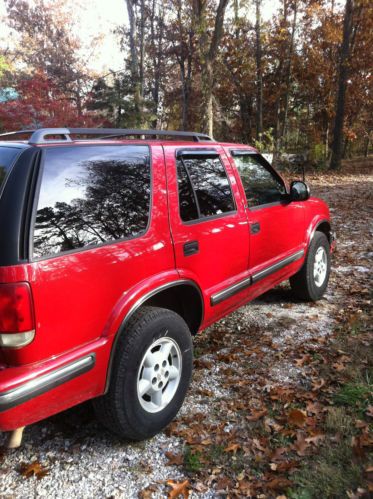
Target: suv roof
(53,135)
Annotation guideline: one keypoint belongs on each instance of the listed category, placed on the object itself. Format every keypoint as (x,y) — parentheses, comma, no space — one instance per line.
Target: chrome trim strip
(230,291)
(277,266)
(245,283)
(46,382)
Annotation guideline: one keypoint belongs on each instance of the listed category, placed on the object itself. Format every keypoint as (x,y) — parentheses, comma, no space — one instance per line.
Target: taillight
(17,323)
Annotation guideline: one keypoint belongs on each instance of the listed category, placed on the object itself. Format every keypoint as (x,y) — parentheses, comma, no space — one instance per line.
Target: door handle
(191,248)
(254,228)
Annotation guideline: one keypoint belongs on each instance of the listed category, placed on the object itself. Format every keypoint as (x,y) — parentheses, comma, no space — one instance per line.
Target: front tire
(150,377)
(311,281)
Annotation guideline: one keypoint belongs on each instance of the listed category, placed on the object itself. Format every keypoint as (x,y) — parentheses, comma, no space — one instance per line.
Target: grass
(356,395)
(330,475)
(192,460)
(335,471)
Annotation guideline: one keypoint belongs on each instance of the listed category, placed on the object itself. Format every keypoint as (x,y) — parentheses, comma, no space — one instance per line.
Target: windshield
(7,157)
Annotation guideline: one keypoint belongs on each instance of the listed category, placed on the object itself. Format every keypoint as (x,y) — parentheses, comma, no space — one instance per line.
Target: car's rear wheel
(150,376)
(311,281)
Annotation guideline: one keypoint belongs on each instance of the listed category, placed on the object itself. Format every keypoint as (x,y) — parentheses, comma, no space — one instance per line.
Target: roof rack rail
(40,136)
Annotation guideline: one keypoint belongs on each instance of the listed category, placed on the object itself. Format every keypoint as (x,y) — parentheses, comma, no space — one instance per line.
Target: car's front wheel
(150,376)
(312,279)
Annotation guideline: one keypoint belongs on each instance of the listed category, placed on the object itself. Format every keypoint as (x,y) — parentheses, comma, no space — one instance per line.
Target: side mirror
(299,191)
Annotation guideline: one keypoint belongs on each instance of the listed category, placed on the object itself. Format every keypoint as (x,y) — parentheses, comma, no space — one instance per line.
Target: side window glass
(187,201)
(260,184)
(210,186)
(91,195)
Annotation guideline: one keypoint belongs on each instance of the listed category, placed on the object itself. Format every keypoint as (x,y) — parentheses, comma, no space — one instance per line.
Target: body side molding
(46,382)
(245,283)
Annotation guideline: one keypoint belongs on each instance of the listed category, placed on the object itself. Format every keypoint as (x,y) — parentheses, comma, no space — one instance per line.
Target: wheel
(311,281)
(151,374)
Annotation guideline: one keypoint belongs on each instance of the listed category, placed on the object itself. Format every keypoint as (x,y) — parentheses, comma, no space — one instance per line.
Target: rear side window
(204,188)
(7,157)
(91,195)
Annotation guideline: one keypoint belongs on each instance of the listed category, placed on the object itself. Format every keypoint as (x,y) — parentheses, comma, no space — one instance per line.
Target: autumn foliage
(41,103)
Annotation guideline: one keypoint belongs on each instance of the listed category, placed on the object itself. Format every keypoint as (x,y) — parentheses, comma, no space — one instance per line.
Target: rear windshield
(7,157)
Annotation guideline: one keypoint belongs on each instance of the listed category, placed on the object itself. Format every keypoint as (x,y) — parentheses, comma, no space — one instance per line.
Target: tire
(154,356)
(311,281)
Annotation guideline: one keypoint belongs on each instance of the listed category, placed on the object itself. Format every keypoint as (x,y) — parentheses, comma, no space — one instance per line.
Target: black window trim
(8,173)
(195,152)
(90,246)
(269,168)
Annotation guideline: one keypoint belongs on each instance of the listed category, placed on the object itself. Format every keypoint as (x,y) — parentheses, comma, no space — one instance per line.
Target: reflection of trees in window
(2,175)
(261,186)
(113,203)
(211,186)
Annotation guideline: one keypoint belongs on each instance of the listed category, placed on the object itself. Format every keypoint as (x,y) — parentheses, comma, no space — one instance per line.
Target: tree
(336,158)
(208,50)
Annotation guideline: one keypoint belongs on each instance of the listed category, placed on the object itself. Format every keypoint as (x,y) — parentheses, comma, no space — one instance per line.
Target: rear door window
(91,195)
(7,158)
(204,188)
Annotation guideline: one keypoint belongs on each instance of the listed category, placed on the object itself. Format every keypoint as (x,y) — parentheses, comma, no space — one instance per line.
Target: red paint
(81,298)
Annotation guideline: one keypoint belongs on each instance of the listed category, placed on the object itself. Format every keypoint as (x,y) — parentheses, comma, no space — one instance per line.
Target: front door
(208,223)
(276,225)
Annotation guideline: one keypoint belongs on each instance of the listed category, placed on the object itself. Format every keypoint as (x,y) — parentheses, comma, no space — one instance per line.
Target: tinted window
(7,157)
(210,187)
(187,201)
(260,184)
(91,195)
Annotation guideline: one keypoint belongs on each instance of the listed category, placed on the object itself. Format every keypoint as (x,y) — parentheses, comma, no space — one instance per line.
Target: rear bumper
(34,392)
(46,382)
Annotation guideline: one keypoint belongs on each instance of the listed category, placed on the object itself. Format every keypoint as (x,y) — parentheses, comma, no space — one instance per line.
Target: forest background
(296,82)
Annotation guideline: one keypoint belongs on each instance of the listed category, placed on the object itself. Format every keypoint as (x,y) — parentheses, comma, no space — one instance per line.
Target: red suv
(117,246)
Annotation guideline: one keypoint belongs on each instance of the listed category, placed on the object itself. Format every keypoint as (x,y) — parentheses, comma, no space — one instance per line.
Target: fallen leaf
(178,489)
(316,385)
(256,415)
(174,459)
(232,448)
(300,445)
(279,483)
(315,439)
(297,417)
(33,469)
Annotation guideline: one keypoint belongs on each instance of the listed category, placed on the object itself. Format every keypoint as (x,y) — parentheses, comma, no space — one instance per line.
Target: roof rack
(40,136)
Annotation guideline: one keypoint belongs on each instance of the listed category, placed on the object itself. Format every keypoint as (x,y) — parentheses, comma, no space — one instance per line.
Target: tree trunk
(259,75)
(136,67)
(208,54)
(337,146)
(288,73)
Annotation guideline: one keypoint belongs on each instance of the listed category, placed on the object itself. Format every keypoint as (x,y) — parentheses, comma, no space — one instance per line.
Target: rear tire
(311,281)
(150,376)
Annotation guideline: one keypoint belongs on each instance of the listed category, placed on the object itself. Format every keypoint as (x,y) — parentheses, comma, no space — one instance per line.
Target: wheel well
(183,299)
(325,228)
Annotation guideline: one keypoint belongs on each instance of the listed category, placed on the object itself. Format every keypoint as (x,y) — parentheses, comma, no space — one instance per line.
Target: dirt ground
(280,404)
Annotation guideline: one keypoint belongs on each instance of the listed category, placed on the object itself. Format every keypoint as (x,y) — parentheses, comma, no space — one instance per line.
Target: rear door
(276,225)
(208,223)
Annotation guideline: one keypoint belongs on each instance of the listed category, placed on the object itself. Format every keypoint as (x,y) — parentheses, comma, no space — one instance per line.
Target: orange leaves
(296,417)
(232,448)
(178,489)
(33,469)
(174,459)
(256,415)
